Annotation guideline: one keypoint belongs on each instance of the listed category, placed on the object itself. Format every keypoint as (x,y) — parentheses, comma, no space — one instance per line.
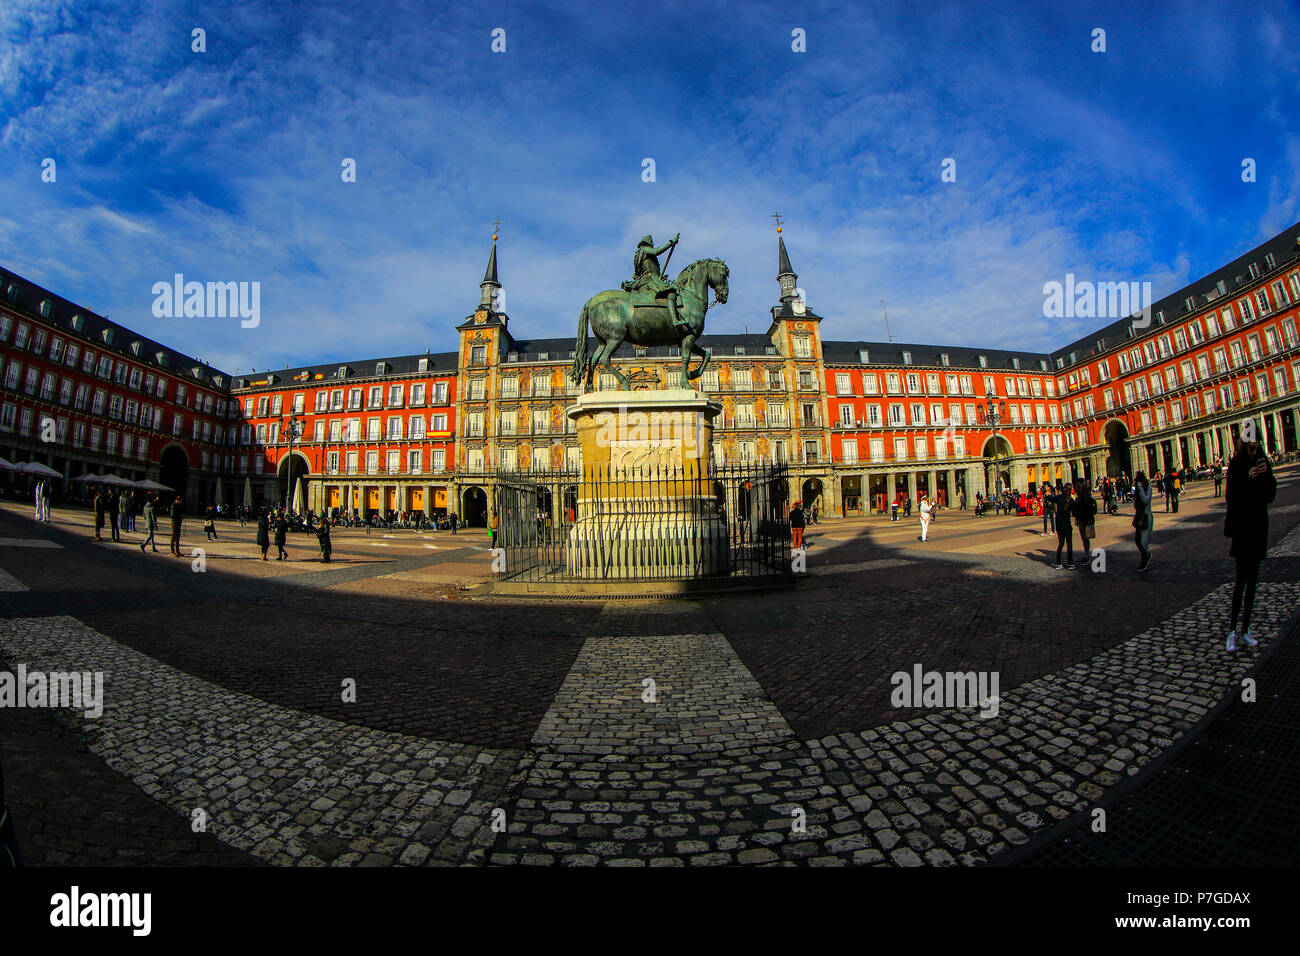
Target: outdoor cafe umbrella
(298,496)
(219,501)
(248,492)
(7,465)
(116,482)
(36,468)
(149,485)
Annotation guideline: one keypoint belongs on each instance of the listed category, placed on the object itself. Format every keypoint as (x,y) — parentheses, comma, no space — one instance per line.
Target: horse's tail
(580,349)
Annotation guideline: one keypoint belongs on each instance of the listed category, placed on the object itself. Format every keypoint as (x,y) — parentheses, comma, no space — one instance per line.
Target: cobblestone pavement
(507,731)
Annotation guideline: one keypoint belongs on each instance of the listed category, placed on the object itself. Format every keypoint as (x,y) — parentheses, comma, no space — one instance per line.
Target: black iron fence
(642,524)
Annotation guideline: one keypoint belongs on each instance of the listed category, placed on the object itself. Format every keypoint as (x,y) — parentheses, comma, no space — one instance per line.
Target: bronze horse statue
(616,317)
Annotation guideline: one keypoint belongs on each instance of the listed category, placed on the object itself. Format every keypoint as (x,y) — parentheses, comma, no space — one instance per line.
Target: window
(477,388)
(893,383)
(438,423)
(393,463)
(953,387)
(277,404)
(842,384)
(802,346)
(846,414)
(877,449)
(850,450)
(541,384)
(806,379)
(372,462)
(776,415)
(541,421)
(776,380)
(415,427)
(873,416)
(417,393)
(70,358)
(900,449)
(541,458)
(896,415)
(394,428)
(439,462)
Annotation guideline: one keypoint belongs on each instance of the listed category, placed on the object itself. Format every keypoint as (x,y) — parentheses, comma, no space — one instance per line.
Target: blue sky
(225,165)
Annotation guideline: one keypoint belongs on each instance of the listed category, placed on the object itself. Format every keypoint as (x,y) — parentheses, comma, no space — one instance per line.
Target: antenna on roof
(888,334)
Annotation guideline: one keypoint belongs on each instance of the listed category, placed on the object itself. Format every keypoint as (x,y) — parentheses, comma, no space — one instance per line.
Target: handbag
(1140,521)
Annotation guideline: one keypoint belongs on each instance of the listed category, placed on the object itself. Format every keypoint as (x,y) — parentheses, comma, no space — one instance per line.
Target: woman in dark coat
(1143,520)
(1251,487)
(323,536)
(263,532)
(1084,509)
(99,513)
(281,530)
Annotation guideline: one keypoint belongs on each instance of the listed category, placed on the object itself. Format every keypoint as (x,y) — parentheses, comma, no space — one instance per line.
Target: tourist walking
(1061,503)
(492,529)
(1143,518)
(210,524)
(178,515)
(796,525)
(1251,488)
(45,501)
(150,525)
(323,536)
(36,500)
(99,506)
(114,506)
(926,510)
(1218,477)
(263,531)
(1084,510)
(1049,512)
(281,532)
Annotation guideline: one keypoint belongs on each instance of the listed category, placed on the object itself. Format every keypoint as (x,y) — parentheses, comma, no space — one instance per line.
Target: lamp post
(992,414)
(291,430)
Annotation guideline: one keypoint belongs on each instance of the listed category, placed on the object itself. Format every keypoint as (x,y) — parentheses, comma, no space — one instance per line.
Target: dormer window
(45,308)
(107,336)
(1269,260)
(740,350)
(137,347)
(1189,303)
(77,323)
(543,356)
(863,356)
(1042,364)
(424,365)
(161,357)
(381,368)
(771,350)
(1254,270)
(11,293)
(984,362)
(943,359)
(1015,364)
(342,372)
(512,356)
(907,358)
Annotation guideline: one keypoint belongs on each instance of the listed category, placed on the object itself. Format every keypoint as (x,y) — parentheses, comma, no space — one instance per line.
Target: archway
(293,466)
(1118,462)
(812,492)
(174,469)
(997,464)
(473,507)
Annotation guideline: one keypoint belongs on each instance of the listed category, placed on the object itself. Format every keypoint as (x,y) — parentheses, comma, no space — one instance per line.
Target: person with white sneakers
(927,512)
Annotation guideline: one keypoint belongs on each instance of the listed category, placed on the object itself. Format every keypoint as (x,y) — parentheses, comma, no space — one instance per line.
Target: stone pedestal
(646,504)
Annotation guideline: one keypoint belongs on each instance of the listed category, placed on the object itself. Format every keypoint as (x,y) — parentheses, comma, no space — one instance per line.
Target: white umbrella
(89,476)
(116,482)
(248,492)
(149,485)
(219,501)
(36,468)
(298,495)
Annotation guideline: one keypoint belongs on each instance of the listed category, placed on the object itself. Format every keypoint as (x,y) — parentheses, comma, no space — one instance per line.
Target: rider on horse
(647,277)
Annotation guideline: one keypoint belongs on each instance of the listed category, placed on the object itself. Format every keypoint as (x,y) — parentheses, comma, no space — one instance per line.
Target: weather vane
(496,229)
(779,220)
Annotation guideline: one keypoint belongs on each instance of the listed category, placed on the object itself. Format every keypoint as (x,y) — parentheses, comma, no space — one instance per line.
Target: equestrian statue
(650,309)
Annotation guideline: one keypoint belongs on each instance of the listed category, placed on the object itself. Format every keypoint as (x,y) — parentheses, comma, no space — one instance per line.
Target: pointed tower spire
(489,286)
(785,273)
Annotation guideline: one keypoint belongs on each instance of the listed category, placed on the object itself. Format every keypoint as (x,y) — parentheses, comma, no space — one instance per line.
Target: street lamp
(992,413)
(291,430)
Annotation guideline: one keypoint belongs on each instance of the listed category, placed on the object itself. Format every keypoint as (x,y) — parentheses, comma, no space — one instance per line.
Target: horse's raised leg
(705,354)
(688,343)
(611,345)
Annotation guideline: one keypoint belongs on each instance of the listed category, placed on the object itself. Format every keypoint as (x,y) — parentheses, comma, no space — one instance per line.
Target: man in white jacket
(927,511)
